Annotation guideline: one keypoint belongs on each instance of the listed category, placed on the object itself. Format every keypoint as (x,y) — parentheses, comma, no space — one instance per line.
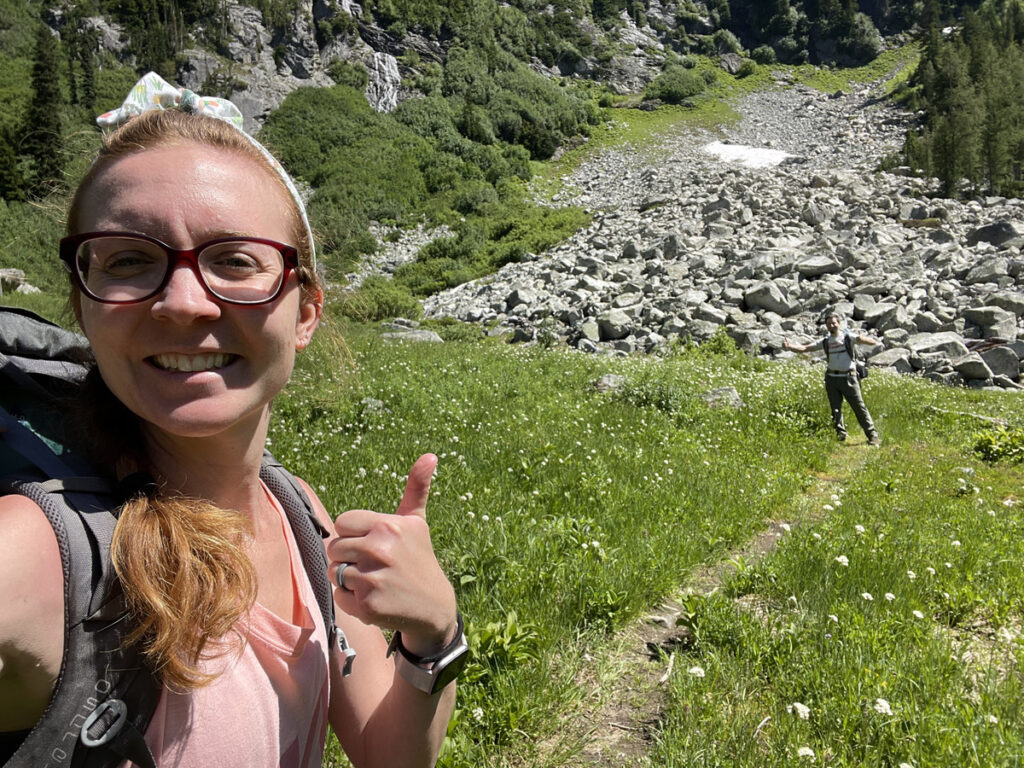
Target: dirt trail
(621,716)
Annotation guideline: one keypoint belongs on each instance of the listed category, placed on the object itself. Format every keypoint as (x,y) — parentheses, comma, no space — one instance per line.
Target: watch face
(451,669)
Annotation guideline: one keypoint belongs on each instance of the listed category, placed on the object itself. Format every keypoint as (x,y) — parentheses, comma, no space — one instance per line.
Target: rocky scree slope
(684,243)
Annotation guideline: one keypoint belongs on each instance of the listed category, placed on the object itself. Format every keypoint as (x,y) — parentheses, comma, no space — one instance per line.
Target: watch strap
(397,645)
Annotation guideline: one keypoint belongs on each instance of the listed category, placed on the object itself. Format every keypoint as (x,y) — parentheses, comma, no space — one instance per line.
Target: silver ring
(339,576)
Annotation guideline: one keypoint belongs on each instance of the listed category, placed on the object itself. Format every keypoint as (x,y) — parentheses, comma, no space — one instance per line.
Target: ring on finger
(339,576)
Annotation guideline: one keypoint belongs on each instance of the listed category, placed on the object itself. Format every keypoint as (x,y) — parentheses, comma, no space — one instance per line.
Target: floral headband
(153,92)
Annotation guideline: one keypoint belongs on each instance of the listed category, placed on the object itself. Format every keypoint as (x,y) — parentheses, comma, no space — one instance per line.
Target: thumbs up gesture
(392,578)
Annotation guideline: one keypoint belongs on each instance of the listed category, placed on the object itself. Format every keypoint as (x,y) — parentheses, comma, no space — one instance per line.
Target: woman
(193,280)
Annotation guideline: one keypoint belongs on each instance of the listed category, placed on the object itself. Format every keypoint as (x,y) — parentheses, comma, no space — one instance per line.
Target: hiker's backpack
(851,349)
(104,696)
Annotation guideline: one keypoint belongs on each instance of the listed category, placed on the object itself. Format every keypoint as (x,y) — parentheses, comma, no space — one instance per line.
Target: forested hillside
(970,84)
(483,90)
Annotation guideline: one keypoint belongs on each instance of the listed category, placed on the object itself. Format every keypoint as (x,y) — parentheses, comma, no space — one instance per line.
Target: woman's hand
(393,579)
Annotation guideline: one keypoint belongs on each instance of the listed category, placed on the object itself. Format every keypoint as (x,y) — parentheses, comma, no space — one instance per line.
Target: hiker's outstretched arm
(396,583)
(787,344)
(31,612)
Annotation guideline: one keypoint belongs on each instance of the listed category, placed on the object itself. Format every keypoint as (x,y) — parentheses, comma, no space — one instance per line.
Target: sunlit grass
(562,513)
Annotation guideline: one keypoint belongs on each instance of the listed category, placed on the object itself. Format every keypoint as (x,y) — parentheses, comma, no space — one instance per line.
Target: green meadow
(883,628)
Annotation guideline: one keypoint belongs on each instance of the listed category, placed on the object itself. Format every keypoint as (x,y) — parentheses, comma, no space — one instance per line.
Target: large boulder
(767,295)
(971,366)
(998,233)
(994,322)
(1002,361)
(948,343)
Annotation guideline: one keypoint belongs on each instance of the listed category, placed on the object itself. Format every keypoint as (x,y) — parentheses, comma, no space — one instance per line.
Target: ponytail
(187,581)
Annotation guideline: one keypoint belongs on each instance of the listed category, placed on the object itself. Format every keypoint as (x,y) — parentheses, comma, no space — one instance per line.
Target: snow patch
(752,157)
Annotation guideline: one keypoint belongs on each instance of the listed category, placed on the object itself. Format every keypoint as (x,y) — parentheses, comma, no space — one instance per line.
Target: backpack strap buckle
(347,650)
(104,723)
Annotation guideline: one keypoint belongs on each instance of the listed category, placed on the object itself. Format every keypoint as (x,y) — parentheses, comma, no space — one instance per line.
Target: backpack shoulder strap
(850,349)
(105,695)
(309,534)
(309,531)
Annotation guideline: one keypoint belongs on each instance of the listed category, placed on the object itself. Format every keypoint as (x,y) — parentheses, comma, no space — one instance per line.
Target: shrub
(1000,444)
(726,42)
(675,85)
(347,73)
(747,68)
(764,55)
(378,299)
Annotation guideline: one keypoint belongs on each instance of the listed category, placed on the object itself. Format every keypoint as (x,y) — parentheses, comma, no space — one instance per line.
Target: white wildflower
(833,618)
(918,615)
(867,596)
(859,528)
(911,575)
(882,707)
(805,752)
(478,714)
(956,543)
(800,710)
(890,596)
(993,720)
(843,560)
(696,671)
(930,570)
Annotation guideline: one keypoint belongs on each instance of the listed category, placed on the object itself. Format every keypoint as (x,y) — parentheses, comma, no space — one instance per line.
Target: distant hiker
(842,374)
(193,277)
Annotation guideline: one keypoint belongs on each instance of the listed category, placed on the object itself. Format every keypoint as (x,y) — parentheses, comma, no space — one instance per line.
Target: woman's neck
(223,469)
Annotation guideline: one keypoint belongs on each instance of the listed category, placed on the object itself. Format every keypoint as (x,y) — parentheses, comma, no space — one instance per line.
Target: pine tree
(44,129)
(11,184)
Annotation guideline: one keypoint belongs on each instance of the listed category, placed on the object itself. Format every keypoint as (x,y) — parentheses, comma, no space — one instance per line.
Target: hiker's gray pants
(847,387)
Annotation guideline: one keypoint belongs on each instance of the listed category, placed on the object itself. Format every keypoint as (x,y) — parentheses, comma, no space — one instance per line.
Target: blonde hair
(182,562)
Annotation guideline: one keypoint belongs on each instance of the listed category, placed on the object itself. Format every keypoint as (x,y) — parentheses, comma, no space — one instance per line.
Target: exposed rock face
(762,252)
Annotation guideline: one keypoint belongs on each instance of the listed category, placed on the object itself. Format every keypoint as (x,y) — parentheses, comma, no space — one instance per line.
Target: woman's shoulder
(29,561)
(31,610)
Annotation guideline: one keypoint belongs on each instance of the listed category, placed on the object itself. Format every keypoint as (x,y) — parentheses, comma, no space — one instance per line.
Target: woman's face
(188,364)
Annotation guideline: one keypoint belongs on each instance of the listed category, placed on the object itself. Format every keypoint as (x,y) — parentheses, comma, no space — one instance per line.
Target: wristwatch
(431,674)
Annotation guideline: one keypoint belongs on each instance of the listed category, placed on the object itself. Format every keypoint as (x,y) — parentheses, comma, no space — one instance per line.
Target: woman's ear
(310,309)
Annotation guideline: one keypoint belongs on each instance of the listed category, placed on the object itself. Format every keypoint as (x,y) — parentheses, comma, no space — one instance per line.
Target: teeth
(191,363)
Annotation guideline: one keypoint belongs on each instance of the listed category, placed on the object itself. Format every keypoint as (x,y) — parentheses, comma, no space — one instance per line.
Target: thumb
(417,487)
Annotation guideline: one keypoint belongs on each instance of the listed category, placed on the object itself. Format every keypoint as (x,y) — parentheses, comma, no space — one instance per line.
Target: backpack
(860,366)
(104,696)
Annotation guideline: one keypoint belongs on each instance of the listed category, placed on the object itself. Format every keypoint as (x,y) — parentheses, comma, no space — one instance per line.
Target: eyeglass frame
(70,244)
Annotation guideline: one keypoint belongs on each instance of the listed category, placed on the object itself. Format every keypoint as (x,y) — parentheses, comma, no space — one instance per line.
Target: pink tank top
(269,707)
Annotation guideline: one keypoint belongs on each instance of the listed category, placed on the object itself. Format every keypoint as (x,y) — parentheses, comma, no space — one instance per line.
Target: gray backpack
(104,696)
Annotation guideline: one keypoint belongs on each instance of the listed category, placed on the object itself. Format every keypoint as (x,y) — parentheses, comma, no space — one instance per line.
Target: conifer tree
(44,129)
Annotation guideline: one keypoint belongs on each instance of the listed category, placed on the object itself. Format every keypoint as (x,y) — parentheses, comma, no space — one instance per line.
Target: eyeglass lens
(127,269)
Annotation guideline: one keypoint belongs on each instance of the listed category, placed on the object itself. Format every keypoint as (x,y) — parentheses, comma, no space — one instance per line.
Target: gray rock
(994,322)
(768,296)
(614,325)
(726,397)
(971,366)
(997,233)
(1002,361)
(413,336)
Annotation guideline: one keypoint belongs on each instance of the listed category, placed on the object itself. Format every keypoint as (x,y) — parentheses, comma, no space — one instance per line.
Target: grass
(562,514)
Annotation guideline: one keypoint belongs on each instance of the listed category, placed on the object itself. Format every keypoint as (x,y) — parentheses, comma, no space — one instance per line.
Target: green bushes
(675,85)
(377,299)
(1000,444)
